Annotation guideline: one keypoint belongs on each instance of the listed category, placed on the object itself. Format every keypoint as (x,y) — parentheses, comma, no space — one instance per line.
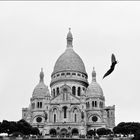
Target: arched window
(33,105)
(54,118)
(79,91)
(75,117)
(92,103)
(62,74)
(37,104)
(53,92)
(57,89)
(40,105)
(73,90)
(95,103)
(88,104)
(65,111)
(101,104)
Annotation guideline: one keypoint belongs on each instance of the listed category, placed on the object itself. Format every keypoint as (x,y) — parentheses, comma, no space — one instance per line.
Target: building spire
(69,39)
(41,75)
(93,75)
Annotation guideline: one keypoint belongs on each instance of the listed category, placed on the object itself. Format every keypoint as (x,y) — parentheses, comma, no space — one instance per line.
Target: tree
(108,132)
(5,127)
(35,131)
(24,127)
(101,131)
(126,128)
(19,127)
(90,132)
(137,135)
(12,127)
(0,127)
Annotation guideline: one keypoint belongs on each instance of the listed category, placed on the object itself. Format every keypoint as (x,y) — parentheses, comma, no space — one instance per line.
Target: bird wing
(108,72)
(113,59)
(113,63)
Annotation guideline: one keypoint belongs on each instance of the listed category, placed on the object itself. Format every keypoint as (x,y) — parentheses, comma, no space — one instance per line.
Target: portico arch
(63,131)
(90,132)
(75,131)
(52,131)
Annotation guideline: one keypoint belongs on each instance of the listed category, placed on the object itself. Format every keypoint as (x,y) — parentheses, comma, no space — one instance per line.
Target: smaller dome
(41,89)
(94,88)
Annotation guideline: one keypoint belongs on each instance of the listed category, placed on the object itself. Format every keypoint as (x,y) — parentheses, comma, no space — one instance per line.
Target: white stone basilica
(73,105)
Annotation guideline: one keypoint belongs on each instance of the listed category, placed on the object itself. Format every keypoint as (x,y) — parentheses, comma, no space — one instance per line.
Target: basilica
(73,105)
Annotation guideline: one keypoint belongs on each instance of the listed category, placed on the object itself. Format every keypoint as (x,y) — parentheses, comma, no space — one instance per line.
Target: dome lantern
(93,75)
(69,39)
(41,75)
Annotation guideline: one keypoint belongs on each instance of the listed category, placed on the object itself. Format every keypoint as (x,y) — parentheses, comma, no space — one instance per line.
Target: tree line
(128,128)
(20,127)
(24,128)
(123,128)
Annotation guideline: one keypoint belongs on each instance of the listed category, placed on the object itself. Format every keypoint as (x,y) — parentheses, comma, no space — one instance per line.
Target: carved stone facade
(73,105)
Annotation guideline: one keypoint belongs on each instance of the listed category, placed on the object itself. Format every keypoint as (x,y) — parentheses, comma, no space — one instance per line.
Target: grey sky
(33,35)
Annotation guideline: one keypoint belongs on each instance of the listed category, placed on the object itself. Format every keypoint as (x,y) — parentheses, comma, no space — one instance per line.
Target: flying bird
(113,63)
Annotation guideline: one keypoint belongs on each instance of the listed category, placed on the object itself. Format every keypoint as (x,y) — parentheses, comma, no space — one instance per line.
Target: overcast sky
(33,35)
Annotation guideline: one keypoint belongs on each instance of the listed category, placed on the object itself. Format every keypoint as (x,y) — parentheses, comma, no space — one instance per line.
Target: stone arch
(53,131)
(74,131)
(75,113)
(63,131)
(54,113)
(54,107)
(95,114)
(73,107)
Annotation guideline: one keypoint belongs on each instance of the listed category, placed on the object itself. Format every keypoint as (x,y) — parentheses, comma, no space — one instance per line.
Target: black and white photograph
(70,70)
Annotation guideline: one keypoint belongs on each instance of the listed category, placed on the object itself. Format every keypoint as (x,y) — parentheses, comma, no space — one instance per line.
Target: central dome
(69,60)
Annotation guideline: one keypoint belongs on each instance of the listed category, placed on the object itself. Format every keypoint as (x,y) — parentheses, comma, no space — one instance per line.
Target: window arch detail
(79,91)
(73,90)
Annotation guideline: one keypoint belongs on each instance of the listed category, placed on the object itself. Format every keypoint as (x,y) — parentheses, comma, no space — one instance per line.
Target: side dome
(69,60)
(94,89)
(41,90)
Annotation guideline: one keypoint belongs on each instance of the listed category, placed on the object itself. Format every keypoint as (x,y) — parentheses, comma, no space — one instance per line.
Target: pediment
(65,97)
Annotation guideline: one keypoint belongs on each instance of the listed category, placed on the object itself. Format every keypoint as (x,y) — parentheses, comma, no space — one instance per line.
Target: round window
(94,119)
(38,119)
